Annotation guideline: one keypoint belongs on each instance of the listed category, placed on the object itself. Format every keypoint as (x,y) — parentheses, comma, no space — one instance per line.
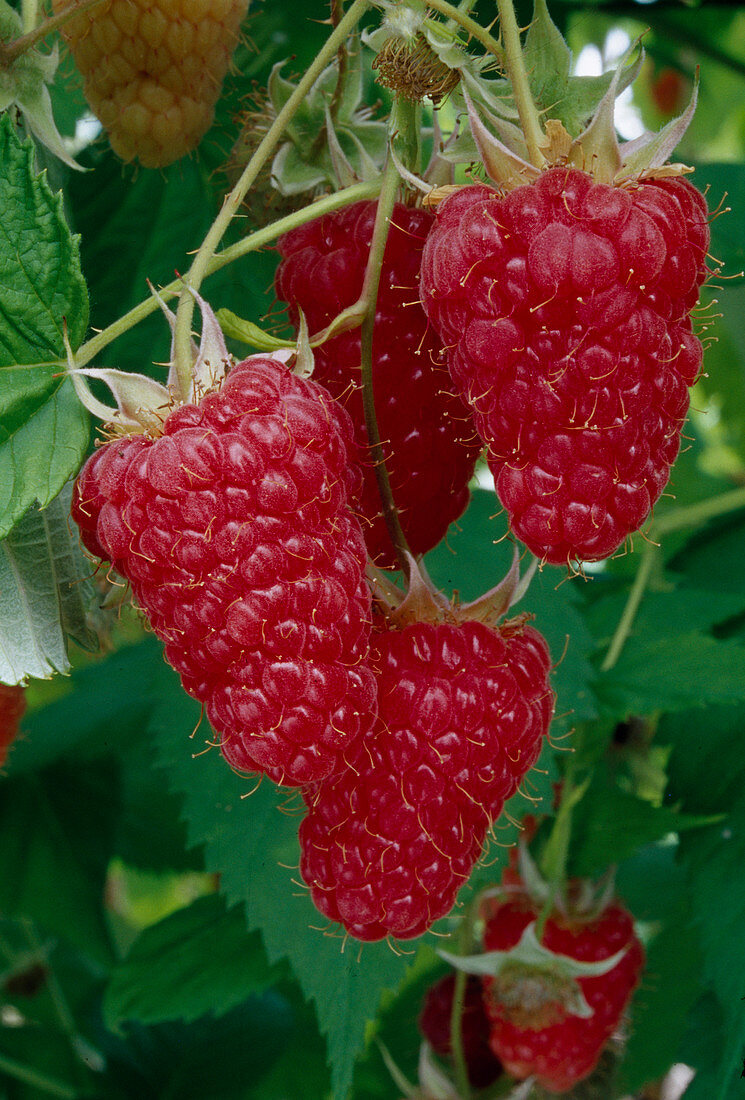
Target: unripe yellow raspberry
(153,70)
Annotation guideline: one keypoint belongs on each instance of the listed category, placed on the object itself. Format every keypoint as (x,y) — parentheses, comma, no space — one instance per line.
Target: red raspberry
(234,532)
(534,1035)
(566,306)
(427,432)
(12,709)
(153,69)
(463,709)
(434,1023)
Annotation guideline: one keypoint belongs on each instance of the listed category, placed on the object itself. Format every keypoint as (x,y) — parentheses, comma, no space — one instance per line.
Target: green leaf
(248,333)
(46,593)
(199,959)
(222,1058)
(610,824)
(43,426)
(708,773)
(252,843)
(92,720)
(53,861)
(673,673)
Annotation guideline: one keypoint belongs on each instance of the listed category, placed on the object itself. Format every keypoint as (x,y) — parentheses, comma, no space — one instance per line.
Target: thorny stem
(471,27)
(262,237)
(8,54)
(518,75)
(677,520)
(232,203)
(370,297)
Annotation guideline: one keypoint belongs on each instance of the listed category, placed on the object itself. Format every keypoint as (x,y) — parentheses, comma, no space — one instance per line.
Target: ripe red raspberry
(12,708)
(153,70)
(434,1023)
(427,432)
(234,531)
(566,307)
(532,1033)
(463,709)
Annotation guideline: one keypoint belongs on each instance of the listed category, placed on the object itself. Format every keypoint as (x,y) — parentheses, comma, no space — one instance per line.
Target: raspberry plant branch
(232,203)
(259,239)
(386,201)
(517,73)
(691,516)
(10,53)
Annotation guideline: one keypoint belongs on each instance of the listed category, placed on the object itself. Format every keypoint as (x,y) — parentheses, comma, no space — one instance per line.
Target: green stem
(623,629)
(691,516)
(469,25)
(518,75)
(460,1066)
(232,203)
(406,129)
(262,237)
(694,514)
(32,1077)
(369,296)
(8,54)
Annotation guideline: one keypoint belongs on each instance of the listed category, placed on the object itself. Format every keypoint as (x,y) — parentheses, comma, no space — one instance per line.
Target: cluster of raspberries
(235,532)
(517,1023)
(551,325)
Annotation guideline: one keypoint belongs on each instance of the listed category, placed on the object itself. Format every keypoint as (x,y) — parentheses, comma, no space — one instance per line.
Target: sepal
(552,976)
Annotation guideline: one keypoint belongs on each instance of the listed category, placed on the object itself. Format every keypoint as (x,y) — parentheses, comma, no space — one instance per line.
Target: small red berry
(566,307)
(234,531)
(427,432)
(434,1023)
(532,1032)
(12,709)
(463,709)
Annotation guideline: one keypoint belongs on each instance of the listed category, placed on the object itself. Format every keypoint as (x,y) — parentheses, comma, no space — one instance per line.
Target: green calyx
(23,84)
(572,116)
(332,140)
(534,980)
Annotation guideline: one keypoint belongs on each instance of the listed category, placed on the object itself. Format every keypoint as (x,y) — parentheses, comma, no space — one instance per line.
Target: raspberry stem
(8,54)
(556,852)
(369,296)
(268,233)
(460,1066)
(233,201)
(693,515)
(518,75)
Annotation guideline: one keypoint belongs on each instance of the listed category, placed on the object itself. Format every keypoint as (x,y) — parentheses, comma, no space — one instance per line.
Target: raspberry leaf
(44,428)
(713,859)
(253,845)
(198,960)
(52,810)
(673,673)
(45,594)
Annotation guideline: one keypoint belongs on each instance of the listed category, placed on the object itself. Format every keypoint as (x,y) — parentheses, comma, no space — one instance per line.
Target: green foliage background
(149,889)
